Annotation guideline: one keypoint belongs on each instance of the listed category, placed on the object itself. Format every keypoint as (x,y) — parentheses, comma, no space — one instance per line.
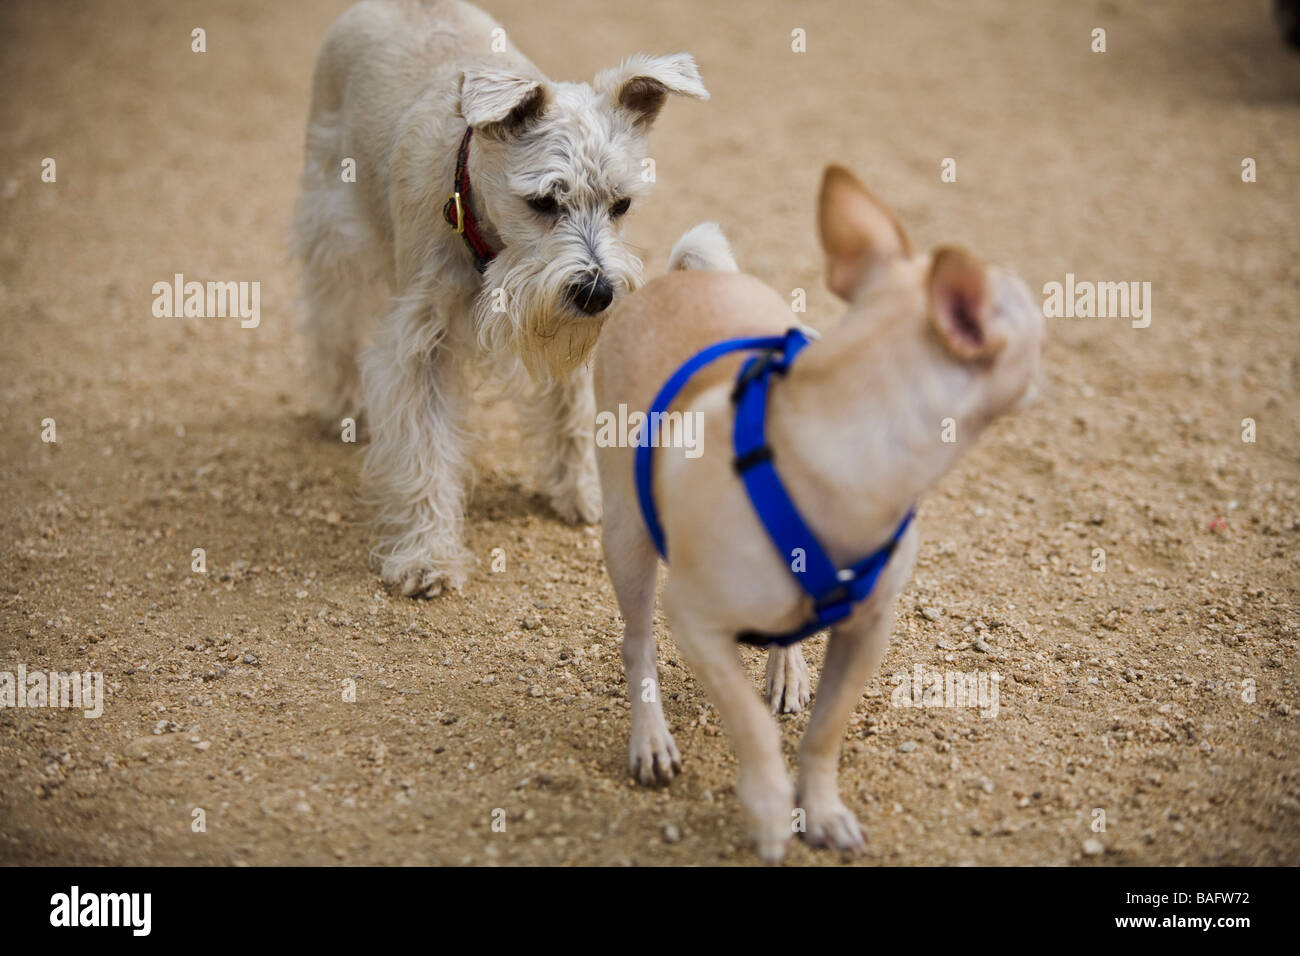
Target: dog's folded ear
(496,102)
(961,307)
(641,83)
(858,232)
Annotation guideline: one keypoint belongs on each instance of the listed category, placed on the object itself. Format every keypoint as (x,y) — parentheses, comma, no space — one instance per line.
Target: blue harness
(833,591)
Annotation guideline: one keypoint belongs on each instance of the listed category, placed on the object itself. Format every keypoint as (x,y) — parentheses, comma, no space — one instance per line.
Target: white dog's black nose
(592,293)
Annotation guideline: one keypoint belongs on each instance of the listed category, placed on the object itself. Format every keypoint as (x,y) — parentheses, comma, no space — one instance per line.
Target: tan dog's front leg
(762,783)
(855,650)
(633,566)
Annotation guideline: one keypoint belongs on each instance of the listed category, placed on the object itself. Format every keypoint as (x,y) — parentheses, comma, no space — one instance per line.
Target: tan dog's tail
(703,247)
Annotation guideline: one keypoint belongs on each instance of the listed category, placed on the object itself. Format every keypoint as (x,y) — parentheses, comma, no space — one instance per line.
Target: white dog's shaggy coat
(553,167)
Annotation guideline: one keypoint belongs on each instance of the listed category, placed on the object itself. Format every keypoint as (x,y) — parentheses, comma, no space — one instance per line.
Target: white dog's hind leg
(344,278)
(788,684)
(633,567)
(855,650)
(558,421)
(416,467)
(343,300)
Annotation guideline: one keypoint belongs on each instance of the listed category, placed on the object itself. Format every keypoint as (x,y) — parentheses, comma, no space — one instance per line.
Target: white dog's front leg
(855,649)
(559,421)
(415,468)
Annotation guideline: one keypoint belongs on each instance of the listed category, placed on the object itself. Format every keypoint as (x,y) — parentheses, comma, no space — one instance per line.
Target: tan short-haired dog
(855,431)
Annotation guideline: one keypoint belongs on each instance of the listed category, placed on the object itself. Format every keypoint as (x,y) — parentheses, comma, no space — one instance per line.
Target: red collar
(459,213)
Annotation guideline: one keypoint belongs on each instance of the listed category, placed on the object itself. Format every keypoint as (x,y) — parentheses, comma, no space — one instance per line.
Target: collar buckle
(459,225)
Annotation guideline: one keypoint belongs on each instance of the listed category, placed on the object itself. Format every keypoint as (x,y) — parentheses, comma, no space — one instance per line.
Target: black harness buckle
(748,460)
(756,370)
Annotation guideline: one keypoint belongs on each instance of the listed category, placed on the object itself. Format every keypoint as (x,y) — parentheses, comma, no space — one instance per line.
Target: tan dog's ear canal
(858,232)
(960,306)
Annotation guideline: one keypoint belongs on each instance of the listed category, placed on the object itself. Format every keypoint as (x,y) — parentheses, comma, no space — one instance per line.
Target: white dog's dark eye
(543,204)
(620,207)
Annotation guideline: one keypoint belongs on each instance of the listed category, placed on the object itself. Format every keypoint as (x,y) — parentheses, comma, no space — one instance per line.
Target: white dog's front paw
(429,582)
(831,823)
(653,756)
(789,685)
(579,504)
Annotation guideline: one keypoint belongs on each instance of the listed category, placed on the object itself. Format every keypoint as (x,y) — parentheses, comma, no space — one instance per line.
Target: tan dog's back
(671,318)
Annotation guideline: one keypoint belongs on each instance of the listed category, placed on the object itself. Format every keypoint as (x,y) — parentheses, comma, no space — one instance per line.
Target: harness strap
(833,591)
(838,604)
(649,434)
(753,462)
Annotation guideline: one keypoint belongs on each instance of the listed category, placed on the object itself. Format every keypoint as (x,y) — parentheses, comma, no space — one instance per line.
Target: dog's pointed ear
(641,84)
(858,232)
(492,101)
(961,307)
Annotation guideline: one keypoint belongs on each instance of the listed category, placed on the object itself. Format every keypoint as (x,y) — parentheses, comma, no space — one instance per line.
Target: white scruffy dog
(473,207)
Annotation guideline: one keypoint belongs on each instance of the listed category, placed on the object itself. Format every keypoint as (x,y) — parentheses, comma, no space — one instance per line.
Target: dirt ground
(1126,691)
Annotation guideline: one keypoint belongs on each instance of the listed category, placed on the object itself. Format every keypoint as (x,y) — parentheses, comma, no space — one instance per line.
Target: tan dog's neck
(856,426)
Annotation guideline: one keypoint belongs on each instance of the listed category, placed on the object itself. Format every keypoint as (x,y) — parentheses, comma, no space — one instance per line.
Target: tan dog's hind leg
(761,783)
(633,567)
(852,656)
(788,683)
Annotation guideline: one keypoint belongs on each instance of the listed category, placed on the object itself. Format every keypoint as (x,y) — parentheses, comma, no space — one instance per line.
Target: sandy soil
(1124,691)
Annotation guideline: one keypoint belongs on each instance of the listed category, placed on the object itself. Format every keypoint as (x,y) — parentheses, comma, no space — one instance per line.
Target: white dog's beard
(545,337)
(565,345)
(527,317)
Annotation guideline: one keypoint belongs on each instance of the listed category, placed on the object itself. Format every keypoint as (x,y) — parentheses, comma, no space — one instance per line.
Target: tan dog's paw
(770,840)
(789,685)
(653,756)
(769,798)
(831,823)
